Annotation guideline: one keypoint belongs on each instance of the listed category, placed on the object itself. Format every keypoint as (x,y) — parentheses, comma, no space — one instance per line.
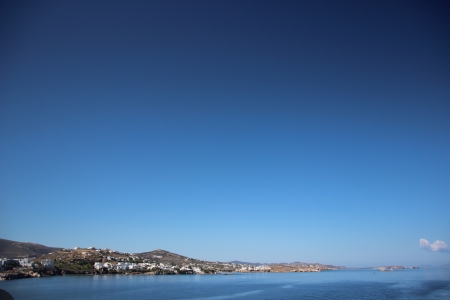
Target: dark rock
(4,295)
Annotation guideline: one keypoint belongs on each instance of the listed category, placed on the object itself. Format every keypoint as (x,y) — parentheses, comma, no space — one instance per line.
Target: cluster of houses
(123,266)
(25,262)
(261,268)
(118,261)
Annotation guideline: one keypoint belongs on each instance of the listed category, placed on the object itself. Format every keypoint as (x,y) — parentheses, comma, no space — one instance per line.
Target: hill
(289,266)
(245,263)
(163,256)
(13,249)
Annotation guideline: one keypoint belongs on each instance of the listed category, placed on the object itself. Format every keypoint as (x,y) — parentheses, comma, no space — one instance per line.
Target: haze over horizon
(258,131)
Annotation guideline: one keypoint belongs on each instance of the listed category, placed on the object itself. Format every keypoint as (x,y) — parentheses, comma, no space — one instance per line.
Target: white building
(122,266)
(24,262)
(262,268)
(49,263)
(107,265)
(2,261)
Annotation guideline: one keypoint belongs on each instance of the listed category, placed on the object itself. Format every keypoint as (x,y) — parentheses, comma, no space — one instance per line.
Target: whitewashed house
(48,263)
(122,266)
(107,265)
(24,262)
(98,266)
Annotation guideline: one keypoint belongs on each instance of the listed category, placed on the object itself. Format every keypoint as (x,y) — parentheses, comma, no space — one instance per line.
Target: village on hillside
(93,261)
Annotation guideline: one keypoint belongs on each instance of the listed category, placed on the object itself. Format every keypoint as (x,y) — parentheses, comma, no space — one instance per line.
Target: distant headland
(25,260)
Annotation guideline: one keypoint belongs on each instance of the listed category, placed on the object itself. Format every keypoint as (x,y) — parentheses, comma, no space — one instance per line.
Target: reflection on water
(402,284)
(228,296)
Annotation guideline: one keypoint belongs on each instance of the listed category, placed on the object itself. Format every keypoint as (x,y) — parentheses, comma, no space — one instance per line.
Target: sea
(343,284)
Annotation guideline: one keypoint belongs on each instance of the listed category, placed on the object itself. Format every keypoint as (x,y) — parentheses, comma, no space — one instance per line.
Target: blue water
(402,284)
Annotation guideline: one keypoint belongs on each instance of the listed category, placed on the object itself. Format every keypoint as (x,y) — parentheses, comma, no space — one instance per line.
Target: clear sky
(263,131)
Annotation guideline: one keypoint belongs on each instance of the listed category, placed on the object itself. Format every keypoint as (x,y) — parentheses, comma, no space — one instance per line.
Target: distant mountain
(13,249)
(293,264)
(245,263)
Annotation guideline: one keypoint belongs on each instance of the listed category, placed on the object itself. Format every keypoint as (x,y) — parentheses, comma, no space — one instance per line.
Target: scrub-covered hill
(13,249)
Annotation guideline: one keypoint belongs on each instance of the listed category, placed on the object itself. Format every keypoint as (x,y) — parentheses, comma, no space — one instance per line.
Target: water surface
(367,284)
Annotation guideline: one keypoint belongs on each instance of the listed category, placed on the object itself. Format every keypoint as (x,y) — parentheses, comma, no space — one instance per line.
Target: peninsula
(26,260)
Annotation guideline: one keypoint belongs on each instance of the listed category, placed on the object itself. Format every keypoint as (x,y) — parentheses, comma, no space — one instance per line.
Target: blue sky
(260,131)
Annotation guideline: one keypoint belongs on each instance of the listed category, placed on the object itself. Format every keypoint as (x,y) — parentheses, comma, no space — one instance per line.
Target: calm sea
(402,284)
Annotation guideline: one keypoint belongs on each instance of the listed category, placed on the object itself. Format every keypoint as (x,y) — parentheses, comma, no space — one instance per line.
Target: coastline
(52,272)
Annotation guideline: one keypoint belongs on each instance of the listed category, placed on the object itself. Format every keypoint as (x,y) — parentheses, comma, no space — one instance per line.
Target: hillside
(163,256)
(302,264)
(52,261)
(13,249)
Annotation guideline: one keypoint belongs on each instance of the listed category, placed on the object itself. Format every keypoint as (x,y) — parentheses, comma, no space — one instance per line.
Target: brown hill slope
(13,249)
(163,256)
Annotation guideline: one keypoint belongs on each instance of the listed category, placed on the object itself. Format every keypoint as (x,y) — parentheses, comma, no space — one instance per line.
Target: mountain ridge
(9,248)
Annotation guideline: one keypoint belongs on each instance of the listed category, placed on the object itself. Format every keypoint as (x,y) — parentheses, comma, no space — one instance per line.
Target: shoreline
(31,274)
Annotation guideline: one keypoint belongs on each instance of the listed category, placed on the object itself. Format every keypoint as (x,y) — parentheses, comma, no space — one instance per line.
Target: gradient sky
(270,131)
